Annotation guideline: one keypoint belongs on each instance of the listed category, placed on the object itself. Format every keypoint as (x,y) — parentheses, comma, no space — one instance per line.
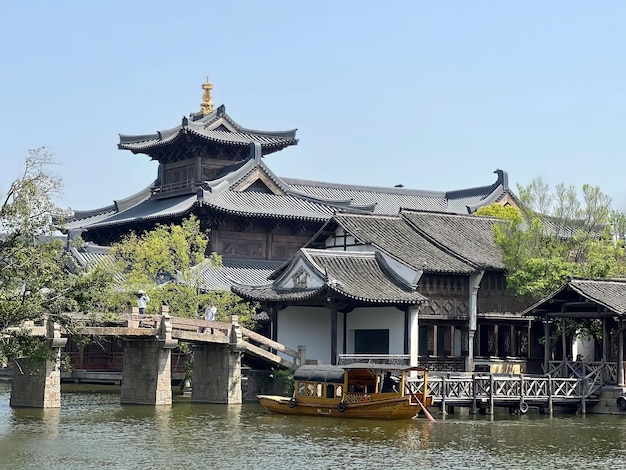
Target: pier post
(38,384)
(147,370)
(550,407)
(491,394)
(444,409)
(473,406)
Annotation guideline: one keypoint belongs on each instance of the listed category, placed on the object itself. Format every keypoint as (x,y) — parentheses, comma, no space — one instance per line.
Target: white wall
(381,318)
(311,326)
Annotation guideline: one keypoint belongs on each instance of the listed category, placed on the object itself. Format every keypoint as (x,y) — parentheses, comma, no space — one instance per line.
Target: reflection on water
(92,430)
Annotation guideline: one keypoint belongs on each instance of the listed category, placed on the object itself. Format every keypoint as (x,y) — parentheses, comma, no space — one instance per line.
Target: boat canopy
(320,373)
(334,374)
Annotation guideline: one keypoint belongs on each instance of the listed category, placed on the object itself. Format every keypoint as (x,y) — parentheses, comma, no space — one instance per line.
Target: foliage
(32,263)
(165,262)
(554,236)
(161,254)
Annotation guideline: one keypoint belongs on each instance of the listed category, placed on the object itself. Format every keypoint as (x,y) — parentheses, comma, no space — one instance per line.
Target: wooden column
(606,342)
(333,333)
(406,330)
(546,345)
(563,341)
(274,323)
(345,333)
(620,352)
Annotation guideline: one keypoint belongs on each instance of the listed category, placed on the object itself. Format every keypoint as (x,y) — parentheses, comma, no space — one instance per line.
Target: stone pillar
(147,374)
(217,370)
(216,374)
(474,285)
(38,384)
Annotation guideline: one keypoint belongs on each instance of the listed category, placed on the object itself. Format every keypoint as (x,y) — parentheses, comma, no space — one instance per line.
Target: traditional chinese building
(214,168)
(425,286)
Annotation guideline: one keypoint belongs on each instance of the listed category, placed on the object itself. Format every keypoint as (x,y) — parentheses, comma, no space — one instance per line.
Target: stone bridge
(149,341)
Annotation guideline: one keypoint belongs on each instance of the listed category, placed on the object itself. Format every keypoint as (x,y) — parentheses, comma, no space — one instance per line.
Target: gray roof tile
(399,239)
(358,276)
(470,237)
(607,293)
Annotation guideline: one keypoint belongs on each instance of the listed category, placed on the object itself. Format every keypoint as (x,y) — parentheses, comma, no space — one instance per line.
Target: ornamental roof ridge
(382,189)
(338,253)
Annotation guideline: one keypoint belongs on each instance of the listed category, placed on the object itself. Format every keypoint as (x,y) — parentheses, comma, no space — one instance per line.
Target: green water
(92,430)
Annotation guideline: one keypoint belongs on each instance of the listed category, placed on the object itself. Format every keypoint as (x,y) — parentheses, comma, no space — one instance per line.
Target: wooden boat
(373,391)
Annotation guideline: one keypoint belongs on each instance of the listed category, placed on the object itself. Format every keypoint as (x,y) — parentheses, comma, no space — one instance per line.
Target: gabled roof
(469,237)
(584,298)
(355,276)
(400,240)
(216,127)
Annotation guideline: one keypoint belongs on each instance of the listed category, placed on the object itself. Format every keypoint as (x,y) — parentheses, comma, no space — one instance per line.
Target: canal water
(92,430)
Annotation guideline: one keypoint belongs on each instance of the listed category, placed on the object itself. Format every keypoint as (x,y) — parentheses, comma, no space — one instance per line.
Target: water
(92,430)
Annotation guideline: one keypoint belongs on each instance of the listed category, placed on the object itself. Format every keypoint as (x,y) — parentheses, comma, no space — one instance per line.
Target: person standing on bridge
(142,301)
(209,314)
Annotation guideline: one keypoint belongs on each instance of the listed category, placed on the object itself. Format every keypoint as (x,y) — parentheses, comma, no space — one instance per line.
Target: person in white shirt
(142,301)
(209,314)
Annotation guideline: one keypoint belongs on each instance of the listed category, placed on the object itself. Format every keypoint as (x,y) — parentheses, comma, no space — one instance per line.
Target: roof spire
(207,101)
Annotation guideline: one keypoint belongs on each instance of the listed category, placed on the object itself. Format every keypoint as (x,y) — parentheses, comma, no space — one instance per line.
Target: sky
(434,95)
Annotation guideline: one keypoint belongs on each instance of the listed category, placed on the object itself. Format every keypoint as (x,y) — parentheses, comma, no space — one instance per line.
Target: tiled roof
(386,200)
(395,236)
(610,293)
(470,237)
(206,128)
(362,276)
(607,293)
(242,271)
(145,210)
(358,276)
(90,255)
(257,204)
(390,201)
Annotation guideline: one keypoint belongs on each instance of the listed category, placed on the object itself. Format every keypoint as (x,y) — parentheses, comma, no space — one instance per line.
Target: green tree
(554,235)
(167,263)
(33,276)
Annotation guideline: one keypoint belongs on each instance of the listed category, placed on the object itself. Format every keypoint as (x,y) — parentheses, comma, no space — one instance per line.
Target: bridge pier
(217,370)
(147,374)
(38,384)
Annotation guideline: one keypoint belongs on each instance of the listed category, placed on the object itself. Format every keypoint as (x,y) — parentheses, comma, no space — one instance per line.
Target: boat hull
(390,408)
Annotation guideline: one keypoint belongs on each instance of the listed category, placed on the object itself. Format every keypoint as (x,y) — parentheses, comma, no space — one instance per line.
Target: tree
(33,275)
(167,262)
(554,235)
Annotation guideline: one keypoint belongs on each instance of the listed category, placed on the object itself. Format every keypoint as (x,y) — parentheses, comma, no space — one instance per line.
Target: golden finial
(207,102)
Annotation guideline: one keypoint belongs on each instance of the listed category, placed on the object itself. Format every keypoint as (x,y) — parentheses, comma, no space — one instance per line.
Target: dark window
(371,341)
(423,341)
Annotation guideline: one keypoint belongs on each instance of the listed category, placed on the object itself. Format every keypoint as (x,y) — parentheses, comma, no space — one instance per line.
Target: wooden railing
(579,369)
(508,390)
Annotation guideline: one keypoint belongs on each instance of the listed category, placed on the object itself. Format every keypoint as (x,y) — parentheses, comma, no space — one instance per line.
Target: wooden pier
(483,392)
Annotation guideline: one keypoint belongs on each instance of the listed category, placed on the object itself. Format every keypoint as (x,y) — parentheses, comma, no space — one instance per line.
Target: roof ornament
(207,101)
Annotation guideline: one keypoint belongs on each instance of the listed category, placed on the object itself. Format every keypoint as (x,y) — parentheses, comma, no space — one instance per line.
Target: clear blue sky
(434,95)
